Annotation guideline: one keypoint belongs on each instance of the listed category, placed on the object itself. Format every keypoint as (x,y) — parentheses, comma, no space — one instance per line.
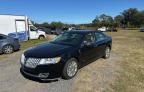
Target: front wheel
(70,69)
(107,52)
(41,37)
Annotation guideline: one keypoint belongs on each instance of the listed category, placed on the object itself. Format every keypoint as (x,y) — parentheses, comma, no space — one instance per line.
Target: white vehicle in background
(19,27)
(142,29)
(103,29)
(71,28)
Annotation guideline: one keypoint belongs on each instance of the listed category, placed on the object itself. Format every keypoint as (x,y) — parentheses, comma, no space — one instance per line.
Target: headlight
(50,60)
(22,60)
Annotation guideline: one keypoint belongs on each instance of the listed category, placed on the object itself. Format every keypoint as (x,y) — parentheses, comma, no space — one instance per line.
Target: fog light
(43,75)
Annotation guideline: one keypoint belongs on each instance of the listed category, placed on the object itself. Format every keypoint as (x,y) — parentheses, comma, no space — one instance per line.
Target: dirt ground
(97,76)
(121,73)
(11,79)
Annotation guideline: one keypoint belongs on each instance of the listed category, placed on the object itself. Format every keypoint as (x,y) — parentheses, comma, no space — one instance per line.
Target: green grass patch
(30,43)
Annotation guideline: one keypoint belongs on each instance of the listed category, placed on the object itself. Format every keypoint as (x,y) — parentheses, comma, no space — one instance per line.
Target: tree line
(130,18)
(54,25)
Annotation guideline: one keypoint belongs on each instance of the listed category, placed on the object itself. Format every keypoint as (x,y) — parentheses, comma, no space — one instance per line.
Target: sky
(67,11)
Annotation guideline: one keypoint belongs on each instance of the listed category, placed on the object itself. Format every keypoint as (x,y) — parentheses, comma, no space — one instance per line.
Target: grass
(102,76)
(130,46)
(30,43)
(128,74)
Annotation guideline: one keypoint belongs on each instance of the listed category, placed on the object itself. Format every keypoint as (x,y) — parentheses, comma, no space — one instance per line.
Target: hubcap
(107,52)
(41,37)
(72,68)
(8,49)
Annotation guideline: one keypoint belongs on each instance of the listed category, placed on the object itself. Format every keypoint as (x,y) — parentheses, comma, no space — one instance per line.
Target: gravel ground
(12,81)
(95,77)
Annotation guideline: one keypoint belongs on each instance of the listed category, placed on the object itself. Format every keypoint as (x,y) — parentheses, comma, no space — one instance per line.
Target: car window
(99,36)
(89,37)
(2,37)
(68,38)
(32,28)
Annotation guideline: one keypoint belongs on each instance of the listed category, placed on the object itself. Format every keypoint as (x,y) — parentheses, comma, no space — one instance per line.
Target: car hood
(47,50)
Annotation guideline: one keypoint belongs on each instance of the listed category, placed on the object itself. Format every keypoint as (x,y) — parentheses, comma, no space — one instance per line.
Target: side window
(2,37)
(89,38)
(32,28)
(99,36)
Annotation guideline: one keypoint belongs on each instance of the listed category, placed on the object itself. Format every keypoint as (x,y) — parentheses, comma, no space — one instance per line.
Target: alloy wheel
(8,49)
(72,68)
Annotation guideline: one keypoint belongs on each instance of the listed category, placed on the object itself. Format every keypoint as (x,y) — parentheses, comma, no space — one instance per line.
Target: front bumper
(51,71)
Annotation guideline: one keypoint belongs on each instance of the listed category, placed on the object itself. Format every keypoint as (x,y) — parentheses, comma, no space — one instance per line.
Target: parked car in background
(142,29)
(64,55)
(107,29)
(111,29)
(58,31)
(46,30)
(8,44)
(71,28)
(19,27)
(103,29)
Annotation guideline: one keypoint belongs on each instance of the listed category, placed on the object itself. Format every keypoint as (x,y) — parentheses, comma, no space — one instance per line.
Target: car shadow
(85,63)
(39,80)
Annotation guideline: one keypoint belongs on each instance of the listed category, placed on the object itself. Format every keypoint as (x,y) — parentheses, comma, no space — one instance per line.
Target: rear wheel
(70,69)
(107,52)
(8,49)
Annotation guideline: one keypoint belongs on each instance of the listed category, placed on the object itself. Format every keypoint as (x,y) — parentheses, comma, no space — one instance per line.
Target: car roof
(83,31)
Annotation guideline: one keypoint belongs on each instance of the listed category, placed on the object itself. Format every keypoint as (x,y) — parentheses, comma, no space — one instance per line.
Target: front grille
(32,62)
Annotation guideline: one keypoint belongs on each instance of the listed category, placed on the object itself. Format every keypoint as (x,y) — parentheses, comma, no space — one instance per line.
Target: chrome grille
(32,62)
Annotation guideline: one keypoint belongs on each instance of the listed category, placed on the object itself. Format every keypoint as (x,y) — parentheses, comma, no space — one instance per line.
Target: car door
(88,52)
(33,32)
(100,43)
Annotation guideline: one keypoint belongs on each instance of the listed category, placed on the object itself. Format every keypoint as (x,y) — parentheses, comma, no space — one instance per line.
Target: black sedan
(8,44)
(64,55)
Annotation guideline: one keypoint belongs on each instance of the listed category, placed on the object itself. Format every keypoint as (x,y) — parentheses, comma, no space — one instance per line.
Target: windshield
(68,38)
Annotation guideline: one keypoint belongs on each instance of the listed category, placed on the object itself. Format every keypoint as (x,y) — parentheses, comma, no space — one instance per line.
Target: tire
(70,69)
(8,49)
(107,52)
(41,37)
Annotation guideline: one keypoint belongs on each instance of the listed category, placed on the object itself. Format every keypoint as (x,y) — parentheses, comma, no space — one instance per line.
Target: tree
(133,17)
(119,20)
(96,22)
(130,16)
(56,24)
(43,25)
(103,20)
